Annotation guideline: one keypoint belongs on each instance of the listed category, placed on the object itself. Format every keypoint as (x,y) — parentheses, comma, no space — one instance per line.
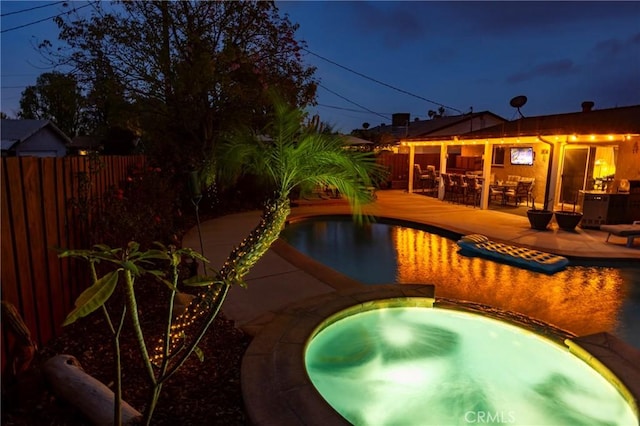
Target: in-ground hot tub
(421,365)
(387,356)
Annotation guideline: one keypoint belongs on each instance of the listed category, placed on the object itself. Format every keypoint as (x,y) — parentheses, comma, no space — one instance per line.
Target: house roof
(85,142)
(12,132)
(352,140)
(425,127)
(613,120)
(418,128)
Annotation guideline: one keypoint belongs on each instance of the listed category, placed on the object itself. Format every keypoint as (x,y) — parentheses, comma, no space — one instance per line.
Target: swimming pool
(583,299)
(421,365)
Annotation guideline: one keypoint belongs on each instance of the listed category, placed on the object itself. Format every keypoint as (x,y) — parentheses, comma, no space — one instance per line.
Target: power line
(30,9)
(380,82)
(360,111)
(17,75)
(45,19)
(342,108)
(352,102)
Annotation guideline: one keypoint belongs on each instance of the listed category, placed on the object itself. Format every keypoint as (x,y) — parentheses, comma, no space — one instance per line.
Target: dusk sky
(378,58)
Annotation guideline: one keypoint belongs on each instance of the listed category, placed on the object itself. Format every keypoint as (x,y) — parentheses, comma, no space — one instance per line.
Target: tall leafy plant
(286,154)
(125,267)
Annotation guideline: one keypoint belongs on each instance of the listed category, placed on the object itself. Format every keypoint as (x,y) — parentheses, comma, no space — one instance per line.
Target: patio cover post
(486,175)
(412,156)
(443,169)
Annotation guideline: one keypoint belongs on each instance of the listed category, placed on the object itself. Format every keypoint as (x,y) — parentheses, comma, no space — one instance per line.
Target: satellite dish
(518,102)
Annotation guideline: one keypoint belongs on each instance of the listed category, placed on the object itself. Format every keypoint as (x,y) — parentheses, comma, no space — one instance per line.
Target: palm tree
(288,155)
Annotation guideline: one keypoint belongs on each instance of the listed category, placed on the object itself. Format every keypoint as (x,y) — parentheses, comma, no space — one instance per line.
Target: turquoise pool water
(583,298)
(428,366)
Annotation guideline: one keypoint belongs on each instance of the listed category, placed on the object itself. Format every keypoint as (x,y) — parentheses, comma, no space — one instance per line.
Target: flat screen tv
(522,156)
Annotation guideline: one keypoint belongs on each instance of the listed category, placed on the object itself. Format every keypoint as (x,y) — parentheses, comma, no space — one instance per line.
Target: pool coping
(278,391)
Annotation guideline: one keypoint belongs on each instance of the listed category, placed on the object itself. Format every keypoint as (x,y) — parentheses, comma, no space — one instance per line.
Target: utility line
(357,110)
(30,9)
(18,75)
(341,108)
(352,102)
(380,82)
(45,19)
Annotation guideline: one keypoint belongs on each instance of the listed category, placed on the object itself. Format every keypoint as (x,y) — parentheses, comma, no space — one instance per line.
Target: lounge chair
(629,231)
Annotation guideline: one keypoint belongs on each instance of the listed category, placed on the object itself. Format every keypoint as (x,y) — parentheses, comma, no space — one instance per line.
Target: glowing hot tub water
(433,366)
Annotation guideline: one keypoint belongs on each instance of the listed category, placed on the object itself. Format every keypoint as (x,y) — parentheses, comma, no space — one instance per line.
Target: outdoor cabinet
(600,208)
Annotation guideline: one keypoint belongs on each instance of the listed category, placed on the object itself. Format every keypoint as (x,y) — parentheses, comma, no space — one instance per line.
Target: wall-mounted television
(522,156)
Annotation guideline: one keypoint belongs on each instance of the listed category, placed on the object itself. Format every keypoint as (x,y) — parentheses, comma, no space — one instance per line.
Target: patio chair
(496,193)
(420,176)
(519,193)
(432,179)
(448,186)
(472,190)
(459,187)
(533,182)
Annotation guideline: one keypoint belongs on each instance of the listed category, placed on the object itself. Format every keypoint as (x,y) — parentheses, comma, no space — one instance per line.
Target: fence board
(37,215)
(49,201)
(398,164)
(10,282)
(24,301)
(36,244)
(62,230)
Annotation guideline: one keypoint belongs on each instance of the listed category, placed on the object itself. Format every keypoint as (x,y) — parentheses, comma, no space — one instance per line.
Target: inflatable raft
(518,256)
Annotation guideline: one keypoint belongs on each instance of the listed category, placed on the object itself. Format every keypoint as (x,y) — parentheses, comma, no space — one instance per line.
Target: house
(85,145)
(357,144)
(388,139)
(37,138)
(571,156)
(438,125)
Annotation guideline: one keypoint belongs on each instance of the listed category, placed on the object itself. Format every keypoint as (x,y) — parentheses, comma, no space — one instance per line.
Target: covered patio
(566,156)
(468,160)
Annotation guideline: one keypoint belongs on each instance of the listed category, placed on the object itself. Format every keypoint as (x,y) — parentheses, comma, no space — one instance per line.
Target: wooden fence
(40,212)
(398,166)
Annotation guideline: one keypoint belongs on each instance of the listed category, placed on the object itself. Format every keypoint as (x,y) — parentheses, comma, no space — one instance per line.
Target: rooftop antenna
(518,102)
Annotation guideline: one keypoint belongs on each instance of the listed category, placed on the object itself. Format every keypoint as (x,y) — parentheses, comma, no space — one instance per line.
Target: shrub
(146,207)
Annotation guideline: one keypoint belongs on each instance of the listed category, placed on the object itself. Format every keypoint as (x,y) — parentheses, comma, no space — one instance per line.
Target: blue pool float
(518,256)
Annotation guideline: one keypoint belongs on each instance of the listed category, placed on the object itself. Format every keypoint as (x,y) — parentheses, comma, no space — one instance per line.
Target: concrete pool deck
(284,278)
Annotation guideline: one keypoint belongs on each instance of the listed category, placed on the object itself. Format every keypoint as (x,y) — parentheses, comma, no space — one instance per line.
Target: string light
(238,264)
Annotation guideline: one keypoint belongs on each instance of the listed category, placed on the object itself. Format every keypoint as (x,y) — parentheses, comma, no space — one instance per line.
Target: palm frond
(295,155)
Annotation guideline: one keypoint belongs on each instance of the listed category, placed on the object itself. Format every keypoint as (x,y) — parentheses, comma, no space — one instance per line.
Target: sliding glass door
(586,168)
(574,170)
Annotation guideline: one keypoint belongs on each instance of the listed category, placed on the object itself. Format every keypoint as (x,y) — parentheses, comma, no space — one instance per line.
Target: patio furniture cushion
(513,179)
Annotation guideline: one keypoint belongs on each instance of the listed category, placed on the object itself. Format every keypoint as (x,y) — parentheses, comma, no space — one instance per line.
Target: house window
(497,158)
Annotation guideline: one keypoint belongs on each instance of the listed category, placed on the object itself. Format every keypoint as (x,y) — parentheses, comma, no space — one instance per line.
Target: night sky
(378,58)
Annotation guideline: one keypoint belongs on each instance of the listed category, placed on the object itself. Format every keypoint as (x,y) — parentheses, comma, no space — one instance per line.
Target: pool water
(582,298)
(429,366)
